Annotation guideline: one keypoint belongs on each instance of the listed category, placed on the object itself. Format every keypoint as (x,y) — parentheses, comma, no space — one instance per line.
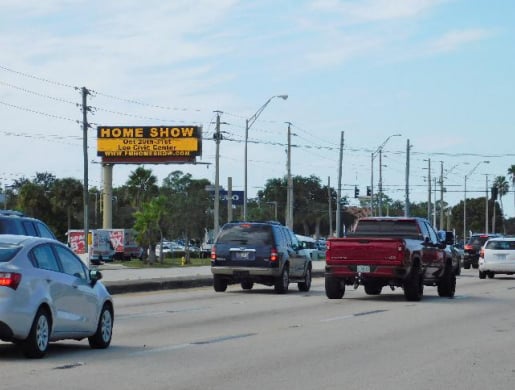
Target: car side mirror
(95,275)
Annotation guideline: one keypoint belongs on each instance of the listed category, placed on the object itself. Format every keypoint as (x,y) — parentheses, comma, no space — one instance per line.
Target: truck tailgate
(365,250)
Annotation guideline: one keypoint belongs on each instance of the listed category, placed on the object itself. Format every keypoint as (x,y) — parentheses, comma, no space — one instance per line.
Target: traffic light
(356,191)
(369,191)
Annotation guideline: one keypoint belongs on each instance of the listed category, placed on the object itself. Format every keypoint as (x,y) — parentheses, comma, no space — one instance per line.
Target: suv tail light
(213,253)
(10,279)
(482,253)
(274,255)
(467,247)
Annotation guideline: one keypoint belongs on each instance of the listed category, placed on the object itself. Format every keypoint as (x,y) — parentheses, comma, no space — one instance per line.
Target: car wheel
(102,337)
(457,270)
(36,344)
(447,283)
(490,275)
(282,282)
(414,286)
(482,274)
(334,288)
(219,283)
(247,285)
(373,289)
(306,284)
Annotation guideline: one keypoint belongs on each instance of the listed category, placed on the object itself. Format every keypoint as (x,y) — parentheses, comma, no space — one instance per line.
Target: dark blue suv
(258,252)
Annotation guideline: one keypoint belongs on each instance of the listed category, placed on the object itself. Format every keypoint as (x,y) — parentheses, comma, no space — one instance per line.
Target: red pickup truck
(389,251)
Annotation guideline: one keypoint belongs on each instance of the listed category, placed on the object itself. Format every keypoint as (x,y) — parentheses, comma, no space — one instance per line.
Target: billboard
(149,144)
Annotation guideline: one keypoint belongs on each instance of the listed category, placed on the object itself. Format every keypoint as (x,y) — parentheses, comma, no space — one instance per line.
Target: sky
(379,74)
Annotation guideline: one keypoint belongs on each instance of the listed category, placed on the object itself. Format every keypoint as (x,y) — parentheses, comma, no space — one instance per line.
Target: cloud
(453,40)
(376,10)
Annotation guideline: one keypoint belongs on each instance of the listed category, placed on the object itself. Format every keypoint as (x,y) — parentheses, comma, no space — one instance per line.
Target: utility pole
(486,204)
(217,137)
(229,199)
(406,201)
(441,196)
(289,179)
(380,182)
(330,206)
(339,193)
(429,190)
(85,195)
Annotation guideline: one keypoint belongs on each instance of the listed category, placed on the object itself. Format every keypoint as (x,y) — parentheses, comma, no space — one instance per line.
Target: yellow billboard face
(149,143)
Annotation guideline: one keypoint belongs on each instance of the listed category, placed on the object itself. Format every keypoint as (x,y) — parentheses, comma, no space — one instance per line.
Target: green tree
(187,203)
(66,195)
(149,226)
(141,186)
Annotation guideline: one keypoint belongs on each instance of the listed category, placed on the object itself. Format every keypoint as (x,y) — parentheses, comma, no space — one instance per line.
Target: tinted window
(500,245)
(402,227)
(44,258)
(7,252)
(44,231)
(30,229)
(71,265)
(246,234)
(10,226)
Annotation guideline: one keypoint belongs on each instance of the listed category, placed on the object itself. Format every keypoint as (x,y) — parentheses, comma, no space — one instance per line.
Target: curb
(146,285)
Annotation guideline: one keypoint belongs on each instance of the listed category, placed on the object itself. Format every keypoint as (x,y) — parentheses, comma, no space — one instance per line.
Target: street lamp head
(284,97)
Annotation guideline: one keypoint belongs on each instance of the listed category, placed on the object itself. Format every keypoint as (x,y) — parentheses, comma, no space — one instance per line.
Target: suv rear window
(500,245)
(246,234)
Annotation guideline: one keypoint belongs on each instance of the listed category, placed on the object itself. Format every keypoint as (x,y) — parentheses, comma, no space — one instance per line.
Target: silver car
(47,294)
(497,256)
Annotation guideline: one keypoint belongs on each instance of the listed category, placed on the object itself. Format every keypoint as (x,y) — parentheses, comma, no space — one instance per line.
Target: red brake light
(213,253)
(273,255)
(467,246)
(482,253)
(10,279)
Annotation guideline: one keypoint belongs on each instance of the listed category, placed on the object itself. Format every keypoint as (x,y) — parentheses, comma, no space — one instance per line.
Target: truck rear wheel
(414,286)
(334,288)
(447,283)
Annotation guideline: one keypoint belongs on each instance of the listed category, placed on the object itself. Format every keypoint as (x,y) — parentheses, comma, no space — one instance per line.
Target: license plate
(243,256)
(363,268)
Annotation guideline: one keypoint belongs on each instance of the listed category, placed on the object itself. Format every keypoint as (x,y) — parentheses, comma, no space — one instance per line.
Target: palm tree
(511,172)
(141,186)
(502,189)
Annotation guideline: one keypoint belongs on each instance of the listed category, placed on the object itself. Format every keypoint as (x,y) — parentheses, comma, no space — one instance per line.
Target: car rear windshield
(246,234)
(393,227)
(478,240)
(7,252)
(500,245)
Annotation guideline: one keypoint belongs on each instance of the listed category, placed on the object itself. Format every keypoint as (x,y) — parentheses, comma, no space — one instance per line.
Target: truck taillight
(482,253)
(273,255)
(213,253)
(467,247)
(10,279)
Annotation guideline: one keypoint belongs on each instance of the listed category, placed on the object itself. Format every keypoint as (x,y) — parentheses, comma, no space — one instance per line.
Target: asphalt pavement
(120,279)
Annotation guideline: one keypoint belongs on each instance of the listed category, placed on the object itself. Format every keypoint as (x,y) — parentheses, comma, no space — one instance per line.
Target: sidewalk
(120,279)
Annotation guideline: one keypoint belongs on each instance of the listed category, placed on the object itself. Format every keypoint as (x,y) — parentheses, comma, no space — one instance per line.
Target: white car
(497,256)
(48,294)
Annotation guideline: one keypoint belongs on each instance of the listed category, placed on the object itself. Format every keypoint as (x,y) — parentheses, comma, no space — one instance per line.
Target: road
(199,339)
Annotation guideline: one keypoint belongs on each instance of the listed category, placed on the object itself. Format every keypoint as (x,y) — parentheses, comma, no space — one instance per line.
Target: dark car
(15,222)
(472,247)
(258,252)
(452,251)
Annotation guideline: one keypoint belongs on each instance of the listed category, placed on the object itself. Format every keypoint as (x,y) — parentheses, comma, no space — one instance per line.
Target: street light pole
(465,198)
(248,123)
(379,150)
